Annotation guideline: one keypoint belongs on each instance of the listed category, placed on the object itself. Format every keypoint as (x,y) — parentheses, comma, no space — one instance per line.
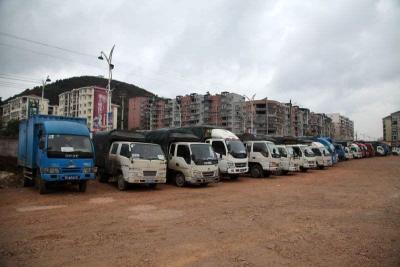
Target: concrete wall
(8,147)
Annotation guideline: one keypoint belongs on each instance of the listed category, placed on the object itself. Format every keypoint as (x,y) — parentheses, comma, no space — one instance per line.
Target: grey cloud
(336,56)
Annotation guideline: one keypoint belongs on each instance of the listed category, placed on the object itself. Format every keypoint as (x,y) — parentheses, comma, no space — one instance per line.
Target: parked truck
(54,149)
(288,161)
(264,157)
(231,153)
(188,160)
(307,157)
(124,157)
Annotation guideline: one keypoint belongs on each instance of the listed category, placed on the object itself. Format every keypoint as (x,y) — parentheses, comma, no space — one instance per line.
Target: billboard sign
(99,109)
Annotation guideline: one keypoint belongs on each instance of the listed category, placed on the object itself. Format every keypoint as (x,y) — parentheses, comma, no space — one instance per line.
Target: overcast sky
(330,56)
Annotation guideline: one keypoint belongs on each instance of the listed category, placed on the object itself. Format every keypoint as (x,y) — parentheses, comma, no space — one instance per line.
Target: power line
(32,51)
(17,79)
(45,44)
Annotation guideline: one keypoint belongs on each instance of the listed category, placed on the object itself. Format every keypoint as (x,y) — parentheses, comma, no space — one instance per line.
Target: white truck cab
(288,162)
(135,163)
(263,156)
(307,157)
(356,151)
(192,163)
(322,156)
(347,153)
(231,153)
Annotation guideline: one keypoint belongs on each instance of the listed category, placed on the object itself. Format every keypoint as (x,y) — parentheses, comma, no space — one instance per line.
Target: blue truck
(55,149)
(327,142)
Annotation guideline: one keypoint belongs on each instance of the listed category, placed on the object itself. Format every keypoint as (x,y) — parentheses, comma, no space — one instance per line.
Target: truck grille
(240,165)
(149,173)
(70,170)
(208,174)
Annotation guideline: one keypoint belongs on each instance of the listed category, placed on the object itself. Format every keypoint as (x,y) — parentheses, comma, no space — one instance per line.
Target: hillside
(52,90)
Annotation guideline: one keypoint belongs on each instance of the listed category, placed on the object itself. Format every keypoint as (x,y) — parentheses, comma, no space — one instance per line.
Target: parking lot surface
(348,214)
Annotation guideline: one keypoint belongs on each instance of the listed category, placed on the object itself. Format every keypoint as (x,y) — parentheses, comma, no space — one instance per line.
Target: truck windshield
(69,146)
(236,149)
(274,150)
(308,152)
(203,154)
(316,151)
(147,151)
(283,152)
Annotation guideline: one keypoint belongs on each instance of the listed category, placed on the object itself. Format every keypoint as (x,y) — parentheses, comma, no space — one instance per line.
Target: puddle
(36,208)
(157,215)
(101,200)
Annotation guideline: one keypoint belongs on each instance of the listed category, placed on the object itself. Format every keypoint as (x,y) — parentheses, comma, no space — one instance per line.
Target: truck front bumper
(147,180)
(238,170)
(202,180)
(67,177)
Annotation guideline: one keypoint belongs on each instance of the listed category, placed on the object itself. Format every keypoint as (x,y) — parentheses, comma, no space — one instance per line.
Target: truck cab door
(221,151)
(110,160)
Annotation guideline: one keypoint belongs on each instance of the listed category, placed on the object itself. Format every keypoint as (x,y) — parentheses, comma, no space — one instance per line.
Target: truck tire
(303,169)
(82,186)
(179,180)
(121,183)
(41,185)
(256,171)
(321,167)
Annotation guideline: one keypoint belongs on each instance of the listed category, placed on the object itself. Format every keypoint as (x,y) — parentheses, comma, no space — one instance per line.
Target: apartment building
(343,127)
(391,128)
(320,125)
(23,107)
(91,103)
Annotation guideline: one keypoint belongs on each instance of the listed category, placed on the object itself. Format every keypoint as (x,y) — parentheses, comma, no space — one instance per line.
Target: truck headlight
(88,169)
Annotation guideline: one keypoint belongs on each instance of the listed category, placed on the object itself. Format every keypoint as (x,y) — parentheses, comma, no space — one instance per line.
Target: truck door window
(114,149)
(219,147)
(125,151)
(184,152)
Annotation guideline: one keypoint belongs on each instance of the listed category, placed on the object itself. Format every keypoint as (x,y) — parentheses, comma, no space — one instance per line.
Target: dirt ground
(348,215)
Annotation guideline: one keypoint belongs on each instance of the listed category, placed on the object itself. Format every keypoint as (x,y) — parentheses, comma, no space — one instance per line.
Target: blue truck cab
(55,149)
(340,151)
(330,147)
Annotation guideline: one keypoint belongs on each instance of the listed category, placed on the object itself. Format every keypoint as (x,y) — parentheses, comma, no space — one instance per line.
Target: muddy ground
(346,215)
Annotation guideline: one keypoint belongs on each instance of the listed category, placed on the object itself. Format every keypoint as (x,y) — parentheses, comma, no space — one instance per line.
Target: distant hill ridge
(52,90)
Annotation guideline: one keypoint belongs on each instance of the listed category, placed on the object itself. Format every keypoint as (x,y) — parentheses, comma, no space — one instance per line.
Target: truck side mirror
(41,145)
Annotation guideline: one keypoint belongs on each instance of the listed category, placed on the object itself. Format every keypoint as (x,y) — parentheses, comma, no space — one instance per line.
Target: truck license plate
(71,177)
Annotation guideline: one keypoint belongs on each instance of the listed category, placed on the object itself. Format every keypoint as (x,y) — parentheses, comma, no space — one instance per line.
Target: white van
(356,151)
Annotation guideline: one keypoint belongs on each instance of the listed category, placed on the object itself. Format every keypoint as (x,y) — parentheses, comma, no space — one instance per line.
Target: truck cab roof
(59,127)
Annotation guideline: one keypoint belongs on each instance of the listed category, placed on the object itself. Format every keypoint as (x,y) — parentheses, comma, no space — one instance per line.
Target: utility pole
(290,117)
(110,68)
(44,82)
(122,111)
(266,112)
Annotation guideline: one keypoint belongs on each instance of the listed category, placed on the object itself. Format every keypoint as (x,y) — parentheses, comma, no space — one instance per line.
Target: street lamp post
(110,68)
(251,100)
(44,82)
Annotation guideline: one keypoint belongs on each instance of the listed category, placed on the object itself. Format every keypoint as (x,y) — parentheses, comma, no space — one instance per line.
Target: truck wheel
(82,186)
(122,184)
(256,171)
(179,180)
(41,185)
(285,172)
(321,167)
